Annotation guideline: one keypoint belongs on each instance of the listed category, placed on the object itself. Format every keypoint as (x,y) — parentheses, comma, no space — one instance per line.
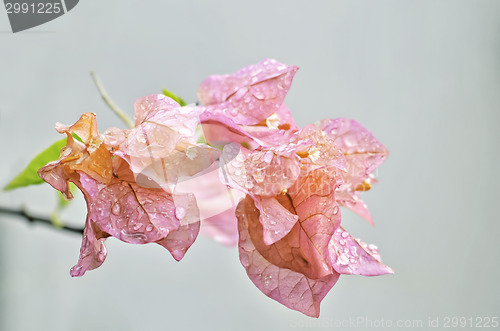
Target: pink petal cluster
(128,179)
(156,182)
(290,239)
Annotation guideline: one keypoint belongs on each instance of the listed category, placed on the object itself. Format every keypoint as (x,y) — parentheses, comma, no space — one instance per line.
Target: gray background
(423,76)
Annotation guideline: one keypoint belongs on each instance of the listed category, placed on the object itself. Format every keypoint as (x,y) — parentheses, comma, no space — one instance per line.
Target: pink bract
(247,106)
(251,94)
(291,288)
(107,168)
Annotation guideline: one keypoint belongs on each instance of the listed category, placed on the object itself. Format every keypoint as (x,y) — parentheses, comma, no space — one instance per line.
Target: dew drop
(191,153)
(185,131)
(258,176)
(141,138)
(245,261)
(76,270)
(268,156)
(180,212)
(349,141)
(133,237)
(266,279)
(101,254)
(259,95)
(240,157)
(343,260)
(116,209)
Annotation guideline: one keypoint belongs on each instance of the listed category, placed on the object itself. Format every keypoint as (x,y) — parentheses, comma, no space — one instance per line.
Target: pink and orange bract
(148,184)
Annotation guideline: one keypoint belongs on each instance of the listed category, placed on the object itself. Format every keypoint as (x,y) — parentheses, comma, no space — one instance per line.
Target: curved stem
(113,106)
(32,219)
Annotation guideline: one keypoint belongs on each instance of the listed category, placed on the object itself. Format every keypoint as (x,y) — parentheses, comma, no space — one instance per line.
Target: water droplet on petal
(141,138)
(101,254)
(180,212)
(343,260)
(245,261)
(116,209)
(191,152)
(258,176)
(137,226)
(349,141)
(259,95)
(268,156)
(76,270)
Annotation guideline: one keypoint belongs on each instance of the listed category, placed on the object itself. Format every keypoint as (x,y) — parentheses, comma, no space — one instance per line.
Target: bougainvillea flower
(247,106)
(259,181)
(250,95)
(116,204)
(302,255)
(290,223)
(266,172)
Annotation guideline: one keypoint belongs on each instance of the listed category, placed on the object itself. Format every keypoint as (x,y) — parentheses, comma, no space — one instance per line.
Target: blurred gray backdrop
(423,76)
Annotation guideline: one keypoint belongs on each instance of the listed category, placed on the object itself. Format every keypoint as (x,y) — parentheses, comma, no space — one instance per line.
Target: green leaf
(29,176)
(176,98)
(74,135)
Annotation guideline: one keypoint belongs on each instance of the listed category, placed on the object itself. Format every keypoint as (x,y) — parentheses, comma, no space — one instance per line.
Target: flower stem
(113,106)
(32,219)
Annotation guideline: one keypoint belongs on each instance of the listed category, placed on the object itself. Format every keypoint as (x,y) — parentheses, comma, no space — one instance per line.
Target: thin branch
(32,219)
(113,106)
